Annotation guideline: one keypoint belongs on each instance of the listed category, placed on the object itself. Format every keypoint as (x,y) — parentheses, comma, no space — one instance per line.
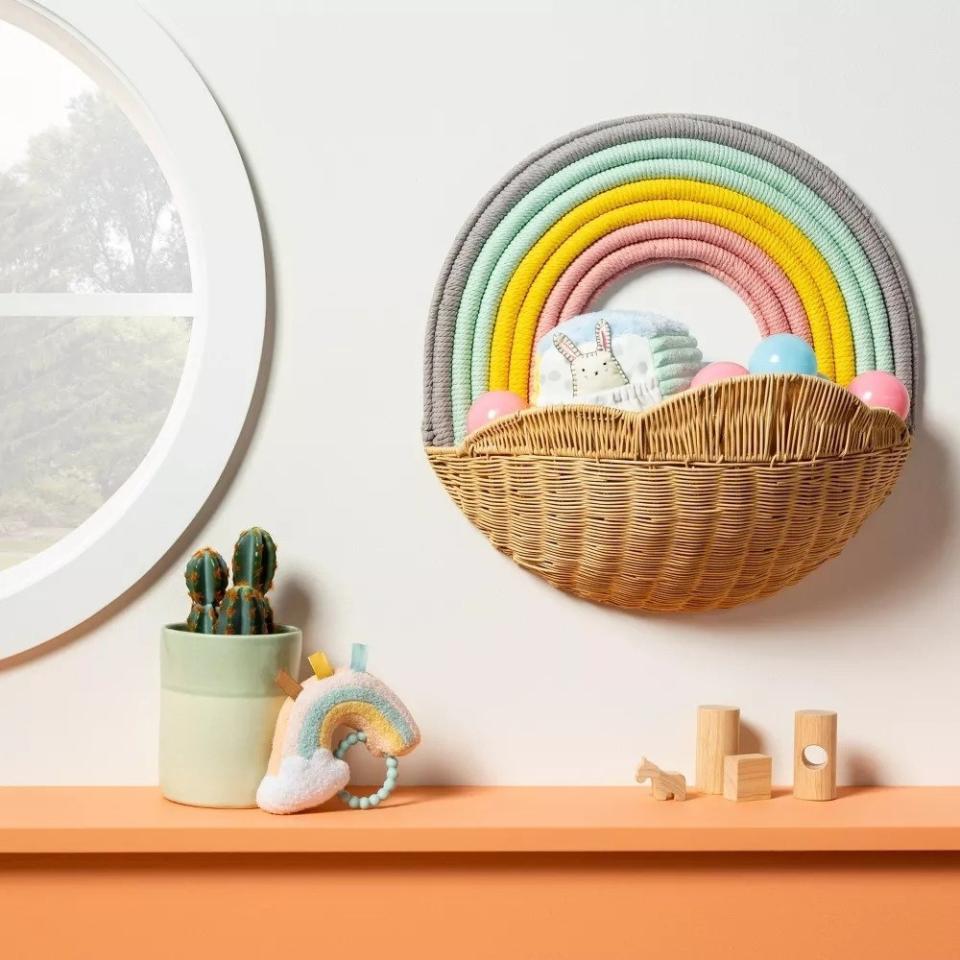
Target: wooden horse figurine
(665,785)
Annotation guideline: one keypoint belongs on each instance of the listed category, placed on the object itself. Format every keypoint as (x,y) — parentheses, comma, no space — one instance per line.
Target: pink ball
(721,370)
(489,406)
(878,389)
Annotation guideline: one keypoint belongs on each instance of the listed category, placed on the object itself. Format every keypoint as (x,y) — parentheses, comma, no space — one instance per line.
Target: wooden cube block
(746,776)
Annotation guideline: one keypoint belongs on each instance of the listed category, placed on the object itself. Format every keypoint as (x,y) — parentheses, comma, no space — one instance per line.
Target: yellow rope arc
(530,285)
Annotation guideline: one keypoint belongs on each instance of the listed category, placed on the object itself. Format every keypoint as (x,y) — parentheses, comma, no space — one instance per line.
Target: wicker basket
(719,496)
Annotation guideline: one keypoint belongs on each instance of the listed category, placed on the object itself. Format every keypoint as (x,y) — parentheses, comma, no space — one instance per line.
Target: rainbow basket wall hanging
(721,494)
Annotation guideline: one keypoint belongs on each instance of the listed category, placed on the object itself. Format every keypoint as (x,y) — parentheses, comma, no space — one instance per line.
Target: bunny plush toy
(614,358)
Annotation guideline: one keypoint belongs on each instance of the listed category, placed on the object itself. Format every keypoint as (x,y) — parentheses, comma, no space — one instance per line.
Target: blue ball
(783,353)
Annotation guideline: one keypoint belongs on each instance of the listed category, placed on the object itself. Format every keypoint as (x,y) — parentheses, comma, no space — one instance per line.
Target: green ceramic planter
(218,708)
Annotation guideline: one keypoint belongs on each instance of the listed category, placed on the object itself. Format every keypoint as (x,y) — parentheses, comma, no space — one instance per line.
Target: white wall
(369,131)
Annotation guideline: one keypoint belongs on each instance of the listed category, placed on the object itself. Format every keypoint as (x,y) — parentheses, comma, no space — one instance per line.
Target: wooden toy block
(664,784)
(747,776)
(718,734)
(815,770)
(287,684)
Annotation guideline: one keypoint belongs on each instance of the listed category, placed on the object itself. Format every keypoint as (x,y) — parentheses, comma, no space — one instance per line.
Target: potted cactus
(219,701)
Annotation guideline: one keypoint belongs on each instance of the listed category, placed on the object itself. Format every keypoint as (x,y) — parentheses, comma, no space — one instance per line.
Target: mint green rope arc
(541,207)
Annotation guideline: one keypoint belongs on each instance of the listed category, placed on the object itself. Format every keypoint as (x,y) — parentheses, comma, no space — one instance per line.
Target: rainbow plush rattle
(304,769)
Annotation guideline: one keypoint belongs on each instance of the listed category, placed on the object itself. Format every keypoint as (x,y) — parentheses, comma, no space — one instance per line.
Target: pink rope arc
(726,255)
(766,310)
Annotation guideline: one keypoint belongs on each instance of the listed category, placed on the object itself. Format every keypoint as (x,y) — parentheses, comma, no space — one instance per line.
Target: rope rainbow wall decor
(751,209)
(715,495)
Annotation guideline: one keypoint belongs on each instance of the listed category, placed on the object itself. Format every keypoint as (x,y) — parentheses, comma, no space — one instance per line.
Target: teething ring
(375,798)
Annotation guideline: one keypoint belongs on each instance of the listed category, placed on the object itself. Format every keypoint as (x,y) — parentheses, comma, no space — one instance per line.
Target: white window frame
(130,56)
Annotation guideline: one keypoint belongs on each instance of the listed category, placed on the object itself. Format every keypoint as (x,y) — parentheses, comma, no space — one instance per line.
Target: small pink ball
(490,406)
(878,389)
(721,370)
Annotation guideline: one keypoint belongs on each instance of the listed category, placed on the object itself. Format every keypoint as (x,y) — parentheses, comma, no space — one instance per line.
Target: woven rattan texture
(719,496)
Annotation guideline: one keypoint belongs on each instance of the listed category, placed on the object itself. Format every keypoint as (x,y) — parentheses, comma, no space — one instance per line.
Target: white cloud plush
(303,783)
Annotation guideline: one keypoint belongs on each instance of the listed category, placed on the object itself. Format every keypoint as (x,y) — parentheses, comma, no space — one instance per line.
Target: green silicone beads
(378,796)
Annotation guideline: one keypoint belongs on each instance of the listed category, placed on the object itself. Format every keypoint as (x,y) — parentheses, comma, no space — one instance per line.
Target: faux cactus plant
(244,611)
(254,560)
(202,618)
(207,576)
(242,608)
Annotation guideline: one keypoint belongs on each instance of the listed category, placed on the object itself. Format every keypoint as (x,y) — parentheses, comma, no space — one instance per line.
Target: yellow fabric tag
(320,665)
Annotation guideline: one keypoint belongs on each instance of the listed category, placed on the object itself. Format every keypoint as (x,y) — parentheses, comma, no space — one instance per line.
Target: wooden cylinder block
(815,780)
(718,734)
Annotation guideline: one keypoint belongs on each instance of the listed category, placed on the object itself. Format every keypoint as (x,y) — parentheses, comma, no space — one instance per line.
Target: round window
(132,306)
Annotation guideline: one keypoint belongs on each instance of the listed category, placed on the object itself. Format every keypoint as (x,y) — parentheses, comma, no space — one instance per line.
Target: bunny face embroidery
(595,370)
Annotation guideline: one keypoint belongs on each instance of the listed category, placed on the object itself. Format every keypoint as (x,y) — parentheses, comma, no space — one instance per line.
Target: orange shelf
(51,820)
